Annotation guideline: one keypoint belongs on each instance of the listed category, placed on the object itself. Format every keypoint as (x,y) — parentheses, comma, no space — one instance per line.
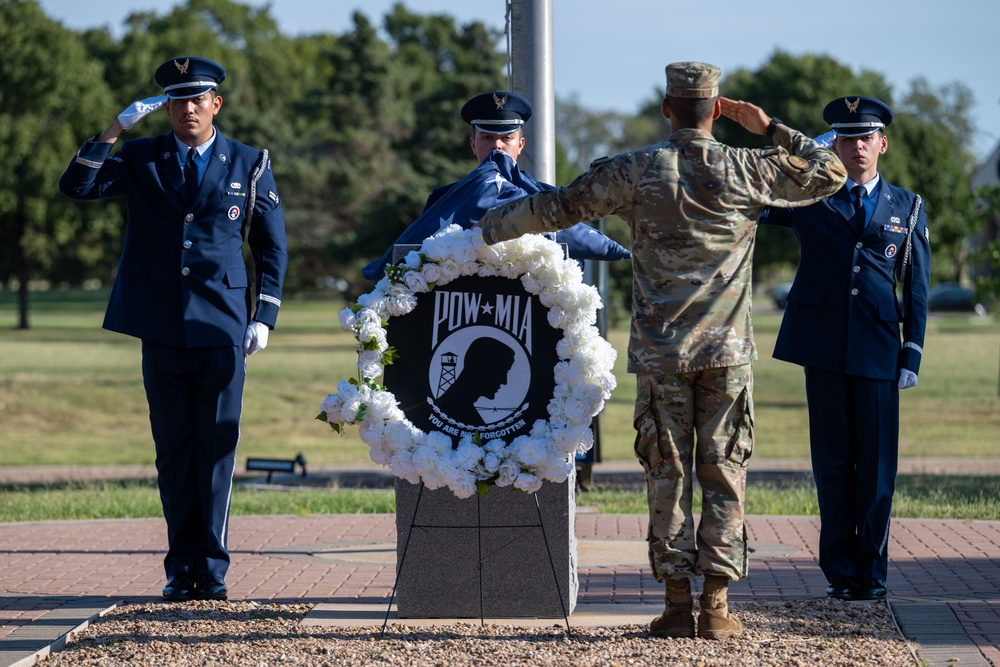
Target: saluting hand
(750,116)
(139,110)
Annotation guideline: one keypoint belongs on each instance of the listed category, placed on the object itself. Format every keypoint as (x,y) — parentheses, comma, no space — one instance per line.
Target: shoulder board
(600,161)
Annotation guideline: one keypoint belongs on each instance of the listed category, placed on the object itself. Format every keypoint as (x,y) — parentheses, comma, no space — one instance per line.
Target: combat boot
(715,621)
(677,619)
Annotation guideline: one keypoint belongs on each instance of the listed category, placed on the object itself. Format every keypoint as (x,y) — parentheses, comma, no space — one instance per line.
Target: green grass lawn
(71,393)
(917,496)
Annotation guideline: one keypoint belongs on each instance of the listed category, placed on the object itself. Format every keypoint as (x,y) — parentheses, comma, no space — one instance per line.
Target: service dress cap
(189,76)
(693,80)
(856,115)
(497,112)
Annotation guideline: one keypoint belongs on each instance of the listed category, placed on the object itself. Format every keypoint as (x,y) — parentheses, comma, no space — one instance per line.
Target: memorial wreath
(583,376)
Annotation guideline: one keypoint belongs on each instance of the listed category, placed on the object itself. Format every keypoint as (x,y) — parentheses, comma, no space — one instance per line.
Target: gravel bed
(247,633)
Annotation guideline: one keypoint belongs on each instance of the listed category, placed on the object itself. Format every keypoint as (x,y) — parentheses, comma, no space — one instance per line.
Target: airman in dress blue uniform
(193,197)
(842,324)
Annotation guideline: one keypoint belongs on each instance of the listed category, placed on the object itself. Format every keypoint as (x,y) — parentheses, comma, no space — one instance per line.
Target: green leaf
(389,356)
(482,488)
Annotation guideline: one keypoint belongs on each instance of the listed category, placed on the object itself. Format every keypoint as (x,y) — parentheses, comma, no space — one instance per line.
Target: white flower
(491,462)
(382,406)
(331,406)
(495,446)
(370,363)
(350,401)
(527,482)
(415,281)
(347,319)
(431,273)
(449,269)
(412,260)
(399,300)
(507,472)
(368,332)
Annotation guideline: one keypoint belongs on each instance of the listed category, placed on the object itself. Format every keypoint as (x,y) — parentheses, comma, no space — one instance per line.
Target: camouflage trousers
(705,419)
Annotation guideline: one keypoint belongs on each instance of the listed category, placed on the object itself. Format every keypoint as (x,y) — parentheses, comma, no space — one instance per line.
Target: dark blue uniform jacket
(843,313)
(182,280)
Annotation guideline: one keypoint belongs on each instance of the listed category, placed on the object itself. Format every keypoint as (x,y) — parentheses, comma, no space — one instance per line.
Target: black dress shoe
(212,588)
(179,588)
(841,589)
(870,589)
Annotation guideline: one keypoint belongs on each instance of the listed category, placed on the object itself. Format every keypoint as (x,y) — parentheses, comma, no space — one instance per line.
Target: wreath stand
(480,564)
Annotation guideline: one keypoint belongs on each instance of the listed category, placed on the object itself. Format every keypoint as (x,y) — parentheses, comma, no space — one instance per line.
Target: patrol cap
(856,115)
(189,76)
(693,80)
(497,112)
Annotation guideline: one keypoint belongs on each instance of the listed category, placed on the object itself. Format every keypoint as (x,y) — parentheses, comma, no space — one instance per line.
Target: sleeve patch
(798,162)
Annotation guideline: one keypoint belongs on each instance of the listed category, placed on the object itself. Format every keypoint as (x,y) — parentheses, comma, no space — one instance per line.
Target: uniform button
(857,269)
(187,244)
(854,292)
(190,216)
(858,245)
(186,271)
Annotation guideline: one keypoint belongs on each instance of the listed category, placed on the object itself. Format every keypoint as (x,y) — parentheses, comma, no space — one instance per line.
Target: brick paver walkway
(54,572)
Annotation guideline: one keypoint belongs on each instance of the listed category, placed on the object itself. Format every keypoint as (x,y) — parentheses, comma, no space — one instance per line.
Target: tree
(50,90)
(382,129)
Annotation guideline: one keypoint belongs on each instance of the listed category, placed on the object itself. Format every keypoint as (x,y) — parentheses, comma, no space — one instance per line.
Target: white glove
(139,110)
(255,338)
(907,379)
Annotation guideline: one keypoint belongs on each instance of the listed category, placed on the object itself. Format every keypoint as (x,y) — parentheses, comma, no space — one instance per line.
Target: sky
(611,55)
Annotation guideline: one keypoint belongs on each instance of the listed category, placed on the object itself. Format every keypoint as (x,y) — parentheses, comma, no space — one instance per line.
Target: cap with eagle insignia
(497,112)
(189,76)
(856,115)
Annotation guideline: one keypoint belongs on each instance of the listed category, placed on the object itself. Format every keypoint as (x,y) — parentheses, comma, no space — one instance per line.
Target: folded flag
(495,181)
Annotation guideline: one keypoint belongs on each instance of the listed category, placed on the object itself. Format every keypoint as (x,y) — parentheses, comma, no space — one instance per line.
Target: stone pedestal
(440,574)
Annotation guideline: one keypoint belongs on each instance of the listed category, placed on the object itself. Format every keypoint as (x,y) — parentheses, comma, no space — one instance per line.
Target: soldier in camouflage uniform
(692,205)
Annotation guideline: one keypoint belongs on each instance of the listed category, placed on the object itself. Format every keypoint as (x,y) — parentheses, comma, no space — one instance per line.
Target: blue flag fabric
(495,181)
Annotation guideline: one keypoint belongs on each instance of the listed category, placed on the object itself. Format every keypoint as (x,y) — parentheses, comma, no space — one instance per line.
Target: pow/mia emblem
(182,68)
(798,162)
(499,101)
(852,107)
(234,212)
(475,357)
(890,251)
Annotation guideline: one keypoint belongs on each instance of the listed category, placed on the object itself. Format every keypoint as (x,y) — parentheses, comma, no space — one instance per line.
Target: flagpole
(533,76)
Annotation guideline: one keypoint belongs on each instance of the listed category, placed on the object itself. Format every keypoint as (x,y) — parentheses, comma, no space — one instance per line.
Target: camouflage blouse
(692,204)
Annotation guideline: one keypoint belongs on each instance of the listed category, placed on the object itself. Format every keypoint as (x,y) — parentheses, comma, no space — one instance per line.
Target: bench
(271,466)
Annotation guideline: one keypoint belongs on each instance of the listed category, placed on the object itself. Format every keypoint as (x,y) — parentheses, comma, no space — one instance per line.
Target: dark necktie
(858,192)
(191,175)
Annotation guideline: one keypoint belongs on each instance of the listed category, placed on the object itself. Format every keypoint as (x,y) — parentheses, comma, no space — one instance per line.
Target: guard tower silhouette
(449,361)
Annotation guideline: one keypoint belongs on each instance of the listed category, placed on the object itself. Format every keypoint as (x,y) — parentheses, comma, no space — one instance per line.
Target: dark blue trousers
(854,443)
(195,399)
